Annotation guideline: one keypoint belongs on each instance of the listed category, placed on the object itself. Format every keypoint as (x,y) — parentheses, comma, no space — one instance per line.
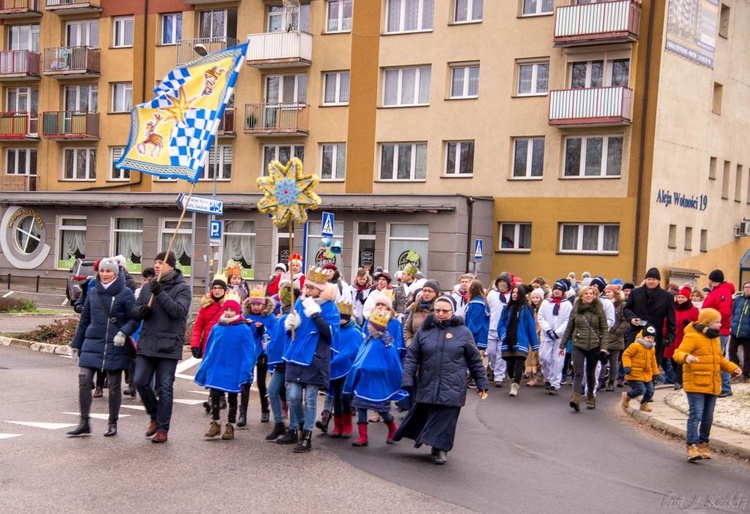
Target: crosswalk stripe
(8,436)
(134,407)
(48,426)
(96,416)
(188,402)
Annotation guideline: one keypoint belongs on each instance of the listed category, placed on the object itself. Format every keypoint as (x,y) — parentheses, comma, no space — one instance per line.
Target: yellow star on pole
(287,192)
(179,106)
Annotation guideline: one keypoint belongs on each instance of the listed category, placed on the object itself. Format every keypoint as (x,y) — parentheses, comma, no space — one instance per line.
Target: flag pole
(289,263)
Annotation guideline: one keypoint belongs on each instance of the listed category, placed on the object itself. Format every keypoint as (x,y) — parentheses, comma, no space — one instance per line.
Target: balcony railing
(226,127)
(19,64)
(19,9)
(18,125)
(277,49)
(276,119)
(70,125)
(592,106)
(603,22)
(18,182)
(64,7)
(186,52)
(73,61)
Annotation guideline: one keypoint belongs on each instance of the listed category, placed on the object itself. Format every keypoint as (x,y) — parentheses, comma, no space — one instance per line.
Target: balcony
(19,125)
(205,2)
(226,126)
(276,120)
(19,9)
(186,52)
(70,125)
(593,106)
(18,182)
(19,65)
(280,49)
(600,23)
(71,62)
(66,7)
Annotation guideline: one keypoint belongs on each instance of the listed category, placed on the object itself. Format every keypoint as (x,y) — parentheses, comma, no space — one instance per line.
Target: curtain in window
(239,243)
(180,247)
(424,85)
(411,15)
(611,238)
(570,237)
(473,81)
(590,237)
(537,157)
(420,165)
(593,167)
(73,242)
(130,244)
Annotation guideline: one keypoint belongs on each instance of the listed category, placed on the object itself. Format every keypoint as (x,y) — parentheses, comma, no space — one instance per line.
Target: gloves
(74,354)
(552,334)
(292,321)
(155,287)
(146,312)
(120,339)
(311,307)
(603,357)
(668,342)
(627,370)
(196,352)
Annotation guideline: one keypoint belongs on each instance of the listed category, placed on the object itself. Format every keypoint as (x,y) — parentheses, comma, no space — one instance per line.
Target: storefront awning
(686,272)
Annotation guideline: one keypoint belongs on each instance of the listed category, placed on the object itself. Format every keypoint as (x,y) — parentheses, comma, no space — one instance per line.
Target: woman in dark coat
(435,376)
(100,342)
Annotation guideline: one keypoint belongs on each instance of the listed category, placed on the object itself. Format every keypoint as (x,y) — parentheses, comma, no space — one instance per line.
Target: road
(526,453)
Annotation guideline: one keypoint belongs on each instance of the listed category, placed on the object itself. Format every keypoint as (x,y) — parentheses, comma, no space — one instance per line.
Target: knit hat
(685,291)
(219,280)
(648,331)
(379,319)
(111,265)
(121,261)
(257,296)
(285,293)
(330,266)
(537,292)
(316,277)
(562,284)
(716,276)
(432,284)
(708,316)
(232,301)
(169,259)
(384,298)
(628,285)
(281,266)
(612,287)
(653,273)
(599,282)
(616,281)
(447,299)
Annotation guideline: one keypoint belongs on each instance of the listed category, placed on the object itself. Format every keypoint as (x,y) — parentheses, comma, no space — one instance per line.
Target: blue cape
(269,323)
(349,341)
(280,341)
(229,358)
(396,330)
(376,373)
(302,349)
(478,321)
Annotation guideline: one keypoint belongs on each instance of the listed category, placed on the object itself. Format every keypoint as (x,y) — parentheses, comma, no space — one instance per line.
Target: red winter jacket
(690,313)
(720,298)
(208,315)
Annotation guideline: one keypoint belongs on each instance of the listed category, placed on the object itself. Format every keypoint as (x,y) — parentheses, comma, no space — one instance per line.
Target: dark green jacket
(587,326)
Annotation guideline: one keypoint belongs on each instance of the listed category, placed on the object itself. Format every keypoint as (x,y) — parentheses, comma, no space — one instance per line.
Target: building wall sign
(698,203)
(692,27)
(23,238)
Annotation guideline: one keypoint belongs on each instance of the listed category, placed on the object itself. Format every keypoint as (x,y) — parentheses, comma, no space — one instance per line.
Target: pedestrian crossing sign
(477,249)
(327,230)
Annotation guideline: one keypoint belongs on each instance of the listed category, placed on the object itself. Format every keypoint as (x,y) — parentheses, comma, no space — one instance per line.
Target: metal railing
(19,5)
(72,60)
(280,46)
(18,124)
(616,18)
(66,3)
(591,105)
(70,125)
(186,47)
(19,62)
(276,118)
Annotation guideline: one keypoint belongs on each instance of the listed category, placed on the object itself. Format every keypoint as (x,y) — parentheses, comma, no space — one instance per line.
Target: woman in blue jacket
(741,329)
(99,342)
(516,330)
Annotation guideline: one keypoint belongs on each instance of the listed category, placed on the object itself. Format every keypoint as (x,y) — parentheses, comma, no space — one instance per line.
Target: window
(528,157)
(23,37)
(116,173)
(20,161)
(333,161)
(409,15)
(407,244)
(593,156)
(239,244)
(317,256)
(712,168)
(583,238)
(81,98)
(515,237)
(468,11)
(128,240)
(535,7)
(79,164)
(689,239)
(28,235)
(71,237)
(218,23)
(364,244)
(406,86)
(280,21)
(336,88)
(281,153)
(122,33)
(738,184)
(704,240)
(533,79)
(82,33)
(459,158)
(717,98)
(465,81)
(26,100)
(122,96)
(286,89)
(171,28)
(403,161)
(219,163)
(339,16)
(724,21)
(182,245)
(725,180)
(672,237)
(601,73)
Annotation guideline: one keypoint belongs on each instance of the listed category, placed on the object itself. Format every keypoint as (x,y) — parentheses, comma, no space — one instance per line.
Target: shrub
(16,305)
(61,332)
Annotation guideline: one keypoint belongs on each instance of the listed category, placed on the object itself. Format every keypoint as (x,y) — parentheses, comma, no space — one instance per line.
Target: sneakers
(704,451)
(213,430)
(513,389)
(693,454)
(625,400)
(439,457)
(645,407)
(498,383)
(228,434)
(552,391)
(726,394)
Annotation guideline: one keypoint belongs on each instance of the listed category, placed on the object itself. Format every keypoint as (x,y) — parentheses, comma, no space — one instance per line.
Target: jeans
(307,414)
(669,372)
(701,417)
(274,395)
(726,378)
(114,381)
(638,388)
(159,410)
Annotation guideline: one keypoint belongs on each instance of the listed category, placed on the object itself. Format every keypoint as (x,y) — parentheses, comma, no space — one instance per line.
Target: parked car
(79,274)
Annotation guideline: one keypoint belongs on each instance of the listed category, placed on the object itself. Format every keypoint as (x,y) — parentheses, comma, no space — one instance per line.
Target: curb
(34,346)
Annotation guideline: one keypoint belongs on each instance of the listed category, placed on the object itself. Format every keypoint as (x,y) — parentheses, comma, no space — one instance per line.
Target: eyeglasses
(308,286)
(442,311)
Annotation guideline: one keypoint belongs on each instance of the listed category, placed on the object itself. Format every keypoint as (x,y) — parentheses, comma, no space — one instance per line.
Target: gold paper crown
(345,308)
(411,269)
(257,293)
(388,293)
(316,275)
(233,268)
(380,317)
(233,297)
(222,277)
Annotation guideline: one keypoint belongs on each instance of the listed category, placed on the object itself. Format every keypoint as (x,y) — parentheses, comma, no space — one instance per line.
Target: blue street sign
(477,249)
(215,228)
(327,230)
(201,205)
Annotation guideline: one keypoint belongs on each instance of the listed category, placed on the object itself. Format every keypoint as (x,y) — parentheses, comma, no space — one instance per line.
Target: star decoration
(287,192)
(179,106)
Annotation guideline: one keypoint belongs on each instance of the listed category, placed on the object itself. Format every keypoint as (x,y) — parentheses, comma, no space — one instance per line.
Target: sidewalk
(669,415)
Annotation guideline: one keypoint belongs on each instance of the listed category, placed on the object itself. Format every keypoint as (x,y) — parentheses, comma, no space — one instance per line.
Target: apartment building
(566,135)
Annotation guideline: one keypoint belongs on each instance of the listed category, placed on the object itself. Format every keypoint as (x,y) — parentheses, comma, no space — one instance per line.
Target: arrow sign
(215,228)
(327,230)
(477,249)
(201,205)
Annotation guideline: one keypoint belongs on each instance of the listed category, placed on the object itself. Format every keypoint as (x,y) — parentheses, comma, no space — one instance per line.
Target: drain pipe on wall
(469,229)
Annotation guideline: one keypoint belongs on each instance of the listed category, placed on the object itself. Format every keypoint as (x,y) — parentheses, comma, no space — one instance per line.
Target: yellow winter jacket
(702,376)
(641,361)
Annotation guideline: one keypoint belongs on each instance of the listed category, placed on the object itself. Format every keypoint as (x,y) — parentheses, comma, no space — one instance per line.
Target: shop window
(71,237)
(408,244)
(128,240)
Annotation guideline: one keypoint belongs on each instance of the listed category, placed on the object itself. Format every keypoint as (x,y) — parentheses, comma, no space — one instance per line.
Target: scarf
(556,308)
(425,305)
(683,306)
(361,290)
(464,295)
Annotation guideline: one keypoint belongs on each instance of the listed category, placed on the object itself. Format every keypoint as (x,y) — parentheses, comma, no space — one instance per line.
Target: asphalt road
(527,453)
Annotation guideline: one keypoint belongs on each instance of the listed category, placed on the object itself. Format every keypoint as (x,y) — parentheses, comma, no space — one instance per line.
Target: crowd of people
(403,340)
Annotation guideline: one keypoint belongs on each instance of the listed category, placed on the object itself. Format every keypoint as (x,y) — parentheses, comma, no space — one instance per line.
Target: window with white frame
(171,28)
(20,161)
(79,164)
(515,237)
(459,158)
(82,33)
(465,81)
(182,244)
(279,20)
(128,242)
(24,100)
(219,163)
(122,96)
(593,156)
(116,153)
(339,15)
(533,78)
(23,37)
(403,161)
(81,98)
(71,237)
(281,153)
(407,244)
(528,157)
(468,11)
(600,73)
(332,161)
(537,7)
(336,88)
(286,89)
(122,33)
(406,86)
(589,238)
(409,15)
(239,245)
(218,23)
(364,245)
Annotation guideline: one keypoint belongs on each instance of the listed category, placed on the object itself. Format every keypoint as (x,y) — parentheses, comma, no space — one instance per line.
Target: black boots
(82,429)
(242,420)
(304,444)
(111,430)
(325,418)
(278,430)
(290,437)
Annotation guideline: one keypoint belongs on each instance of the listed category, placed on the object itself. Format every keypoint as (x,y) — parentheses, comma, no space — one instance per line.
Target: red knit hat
(685,291)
